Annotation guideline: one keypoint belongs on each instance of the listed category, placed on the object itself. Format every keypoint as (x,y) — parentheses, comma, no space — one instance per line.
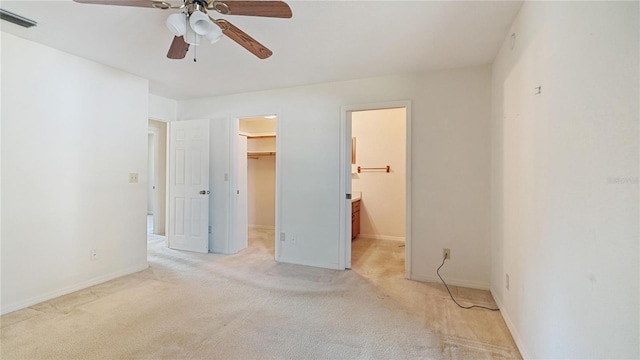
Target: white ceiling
(324,41)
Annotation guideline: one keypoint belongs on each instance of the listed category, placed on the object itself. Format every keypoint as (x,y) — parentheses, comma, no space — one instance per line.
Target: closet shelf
(256,154)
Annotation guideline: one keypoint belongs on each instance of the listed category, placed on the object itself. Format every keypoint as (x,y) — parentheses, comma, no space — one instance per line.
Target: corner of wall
(510,324)
(162,109)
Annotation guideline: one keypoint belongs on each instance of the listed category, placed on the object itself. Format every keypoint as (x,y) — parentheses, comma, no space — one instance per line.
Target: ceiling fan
(193,24)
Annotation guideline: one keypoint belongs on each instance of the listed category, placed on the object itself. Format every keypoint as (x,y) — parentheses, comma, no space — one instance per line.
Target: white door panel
(189,185)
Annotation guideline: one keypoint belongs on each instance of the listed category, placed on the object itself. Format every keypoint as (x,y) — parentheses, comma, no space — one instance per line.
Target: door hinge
(348,196)
(209,229)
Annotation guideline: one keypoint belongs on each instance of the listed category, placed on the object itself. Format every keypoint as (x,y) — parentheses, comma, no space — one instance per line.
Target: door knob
(204,192)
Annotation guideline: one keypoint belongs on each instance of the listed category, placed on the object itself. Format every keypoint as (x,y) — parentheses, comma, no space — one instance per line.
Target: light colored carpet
(246,306)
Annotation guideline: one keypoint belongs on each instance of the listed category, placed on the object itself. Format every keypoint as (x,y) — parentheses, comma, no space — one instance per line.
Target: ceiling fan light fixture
(200,23)
(177,24)
(214,35)
(192,24)
(191,37)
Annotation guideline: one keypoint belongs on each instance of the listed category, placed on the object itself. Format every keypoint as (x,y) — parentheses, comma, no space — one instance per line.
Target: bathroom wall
(380,141)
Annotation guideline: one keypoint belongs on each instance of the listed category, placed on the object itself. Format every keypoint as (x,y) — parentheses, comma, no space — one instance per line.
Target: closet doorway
(257,147)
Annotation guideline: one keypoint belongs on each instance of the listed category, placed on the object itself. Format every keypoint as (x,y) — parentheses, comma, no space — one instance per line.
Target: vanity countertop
(356,196)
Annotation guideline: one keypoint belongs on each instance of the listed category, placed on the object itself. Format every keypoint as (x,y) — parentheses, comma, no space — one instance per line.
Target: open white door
(189,185)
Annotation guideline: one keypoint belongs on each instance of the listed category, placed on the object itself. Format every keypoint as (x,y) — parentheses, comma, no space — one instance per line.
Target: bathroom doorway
(376,172)
(378,184)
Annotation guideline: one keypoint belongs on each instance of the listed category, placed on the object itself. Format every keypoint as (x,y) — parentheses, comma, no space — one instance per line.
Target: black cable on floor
(454,300)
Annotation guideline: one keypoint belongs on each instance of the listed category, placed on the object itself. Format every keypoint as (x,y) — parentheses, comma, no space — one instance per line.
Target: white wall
(220,185)
(163,109)
(451,164)
(73,131)
(380,141)
(1,232)
(565,180)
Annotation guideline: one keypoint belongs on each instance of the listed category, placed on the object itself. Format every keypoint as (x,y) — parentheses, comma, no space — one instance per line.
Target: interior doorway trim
(161,201)
(345,178)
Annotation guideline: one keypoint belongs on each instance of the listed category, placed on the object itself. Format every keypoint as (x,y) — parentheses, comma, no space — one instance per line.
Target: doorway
(378,183)
(257,162)
(375,158)
(157,172)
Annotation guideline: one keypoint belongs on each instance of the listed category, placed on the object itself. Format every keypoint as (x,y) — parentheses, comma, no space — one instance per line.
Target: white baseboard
(264,227)
(454,282)
(223,251)
(381,237)
(69,289)
(324,265)
(512,328)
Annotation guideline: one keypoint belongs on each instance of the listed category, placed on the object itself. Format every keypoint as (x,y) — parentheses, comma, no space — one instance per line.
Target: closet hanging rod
(260,136)
(386,169)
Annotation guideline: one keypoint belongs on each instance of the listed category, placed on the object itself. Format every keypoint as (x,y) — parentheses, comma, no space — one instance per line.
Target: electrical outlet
(446,254)
(283,236)
(506,281)
(133,178)
(94,255)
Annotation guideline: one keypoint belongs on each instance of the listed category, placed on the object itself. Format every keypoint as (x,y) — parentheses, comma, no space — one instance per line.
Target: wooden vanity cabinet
(355,219)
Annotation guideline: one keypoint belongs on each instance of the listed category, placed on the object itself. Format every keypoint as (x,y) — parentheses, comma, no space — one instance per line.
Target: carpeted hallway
(246,306)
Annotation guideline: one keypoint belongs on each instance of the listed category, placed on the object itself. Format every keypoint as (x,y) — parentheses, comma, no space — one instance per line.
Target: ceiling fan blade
(243,39)
(178,48)
(138,3)
(266,8)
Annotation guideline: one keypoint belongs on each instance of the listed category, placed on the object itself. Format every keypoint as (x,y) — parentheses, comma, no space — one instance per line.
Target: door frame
(152,159)
(345,178)
(234,130)
(155,194)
